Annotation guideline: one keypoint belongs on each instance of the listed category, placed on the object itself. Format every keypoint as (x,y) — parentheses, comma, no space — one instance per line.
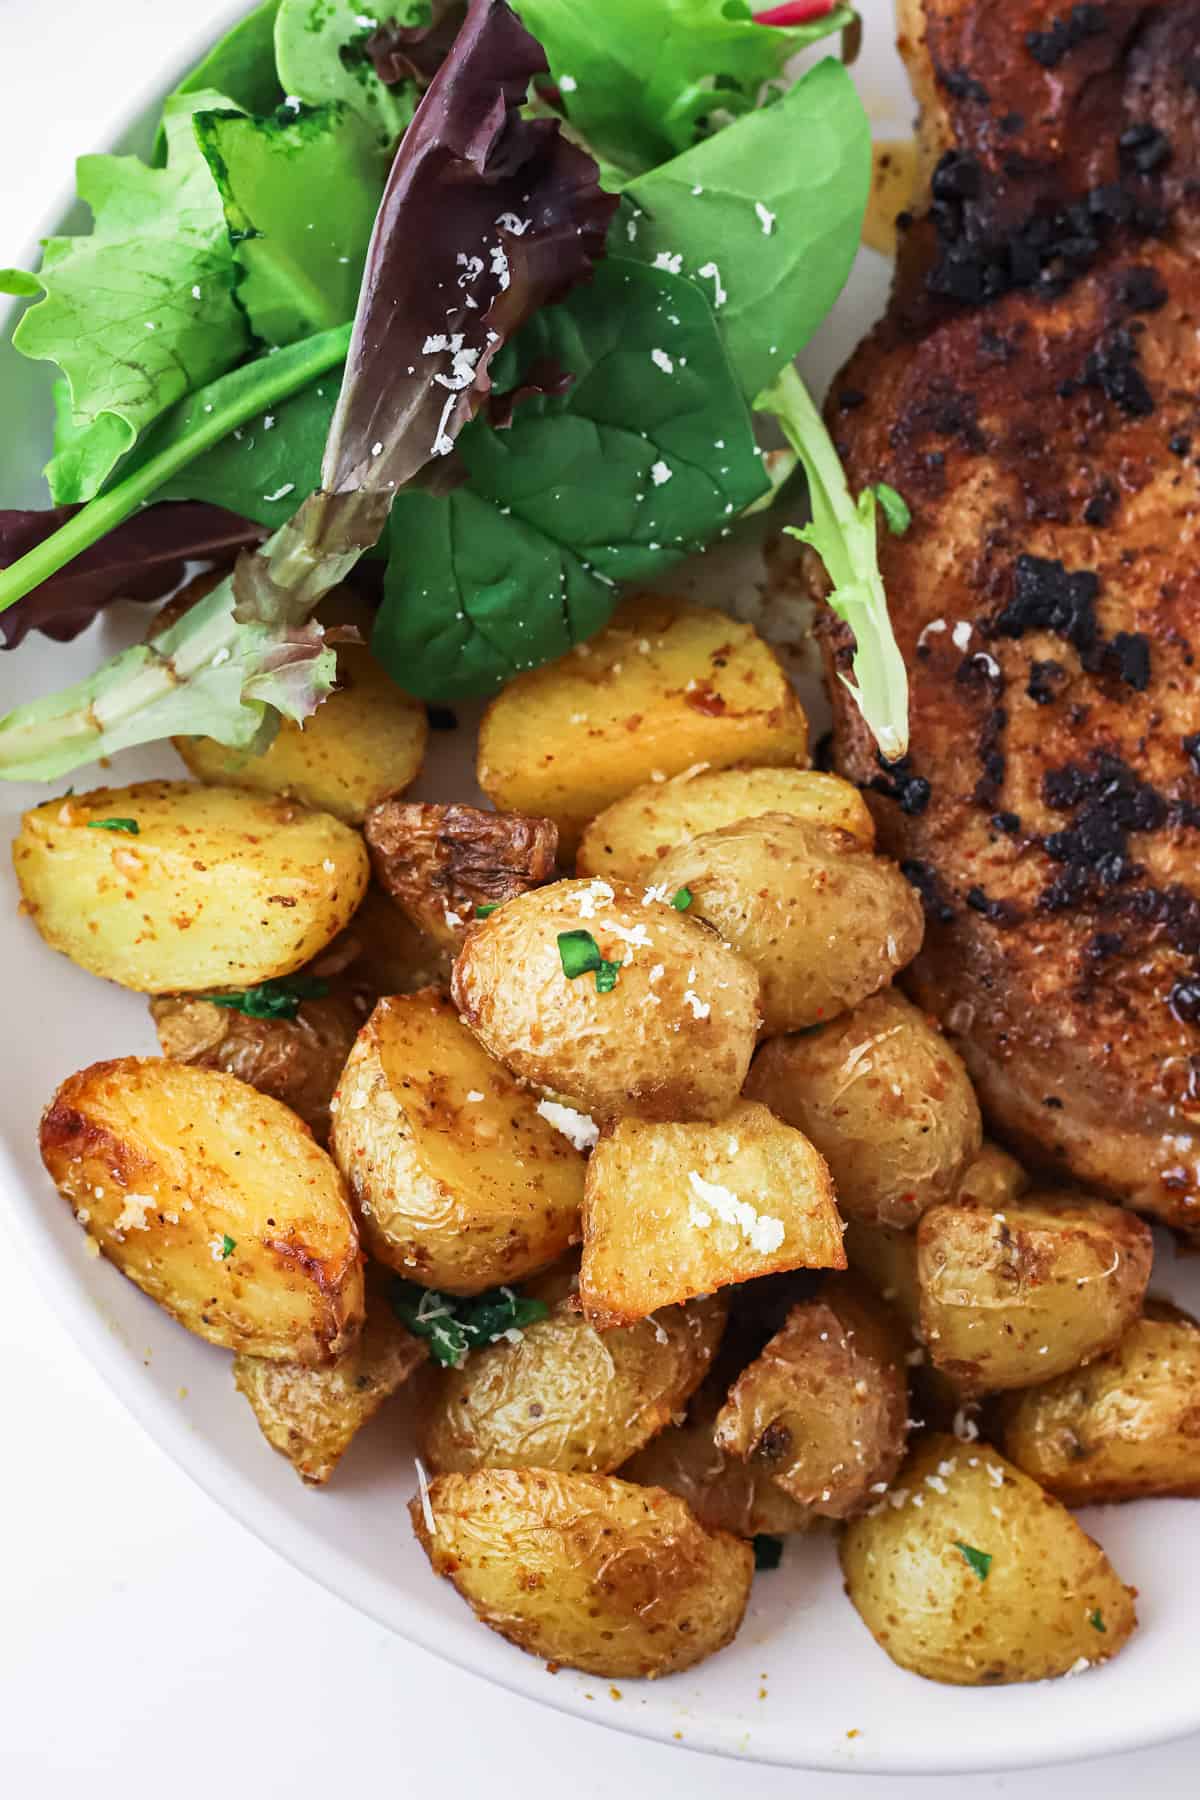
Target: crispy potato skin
(218,889)
(458,1180)
(642,1049)
(652,1237)
(161,1161)
(630,838)
(824,922)
(886,1101)
(663,686)
(565,1397)
(297,1061)
(439,863)
(311,1416)
(823,1409)
(1014,1298)
(587,1570)
(725,1493)
(1126,1427)
(1027,1620)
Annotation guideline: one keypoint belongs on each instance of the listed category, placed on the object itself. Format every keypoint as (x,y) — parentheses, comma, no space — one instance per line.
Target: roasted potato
(171,887)
(1125,1427)
(663,686)
(459,1182)
(586,1570)
(725,1493)
(381,952)
(440,864)
(888,1261)
(366,740)
(312,1415)
(823,1409)
(566,1397)
(968,1573)
(1014,1297)
(665,1031)
(630,838)
(886,1101)
(297,1060)
(824,922)
(215,1200)
(993,1178)
(672,1211)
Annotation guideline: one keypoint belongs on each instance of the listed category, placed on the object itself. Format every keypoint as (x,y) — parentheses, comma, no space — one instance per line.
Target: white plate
(803,1685)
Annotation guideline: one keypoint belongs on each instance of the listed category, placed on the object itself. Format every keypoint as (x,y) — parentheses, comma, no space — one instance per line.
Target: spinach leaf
(265,466)
(300,191)
(321,53)
(645,458)
(766,217)
(241,65)
(140,311)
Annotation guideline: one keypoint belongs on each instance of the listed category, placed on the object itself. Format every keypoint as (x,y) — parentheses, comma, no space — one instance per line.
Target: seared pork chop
(1034,394)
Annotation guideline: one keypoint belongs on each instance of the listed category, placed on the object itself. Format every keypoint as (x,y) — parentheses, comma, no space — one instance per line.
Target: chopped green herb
(228,1246)
(768,1552)
(978,1561)
(580,954)
(485,912)
(129,825)
(681,899)
(894,507)
(1096,1621)
(454,1326)
(278,999)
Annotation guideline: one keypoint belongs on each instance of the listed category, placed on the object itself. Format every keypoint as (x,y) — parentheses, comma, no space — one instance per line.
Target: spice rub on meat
(1034,394)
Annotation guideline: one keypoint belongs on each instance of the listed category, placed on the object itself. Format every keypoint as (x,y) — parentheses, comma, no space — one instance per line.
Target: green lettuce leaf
(320,51)
(241,65)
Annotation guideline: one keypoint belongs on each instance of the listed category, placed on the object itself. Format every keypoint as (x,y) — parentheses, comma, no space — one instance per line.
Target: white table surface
(148,1643)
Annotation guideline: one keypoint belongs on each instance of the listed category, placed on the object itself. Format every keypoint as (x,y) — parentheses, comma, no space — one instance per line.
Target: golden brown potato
(968,1573)
(993,1178)
(366,740)
(725,1493)
(823,1408)
(824,922)
(631,837)
(383,953)
(663,686)
(296,1060)
(312,1415)
(1014,1297)
(886,1101)
(566,1397)
(888,1261)
(672,1211)
(586,1570)
(664,1032)
(215,1200)
(171,887)
(459,1182)
(1125,1427)
(441,864)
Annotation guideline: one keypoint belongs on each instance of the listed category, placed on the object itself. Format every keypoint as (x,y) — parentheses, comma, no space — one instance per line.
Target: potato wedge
(564,1397)
(1126,1427)
(672,1211)
(630,838)
(725,1493)
(885,1099)
(440,864)
(823,1409)
(1015,1297)
(663,686)
(366,740)
(459,1182)
(311,1416)
(215,1200)
(823,921)
(586,1570)
(670,1035)
(170,887)
(969,1574)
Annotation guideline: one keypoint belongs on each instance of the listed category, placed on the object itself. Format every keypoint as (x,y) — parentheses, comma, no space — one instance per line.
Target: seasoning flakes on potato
(676,1210)
(215,1200)
(967,1573)
(460,1182)
(615,998)
(446,866)
(172,887)
(587,1571)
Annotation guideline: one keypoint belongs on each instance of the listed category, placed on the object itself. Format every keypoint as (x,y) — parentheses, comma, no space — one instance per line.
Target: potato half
(968,1573)
(171,887)
(672,1211)
(215,1200)
(441,864)
(725,1493)
(586,1570)
(459,1182)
